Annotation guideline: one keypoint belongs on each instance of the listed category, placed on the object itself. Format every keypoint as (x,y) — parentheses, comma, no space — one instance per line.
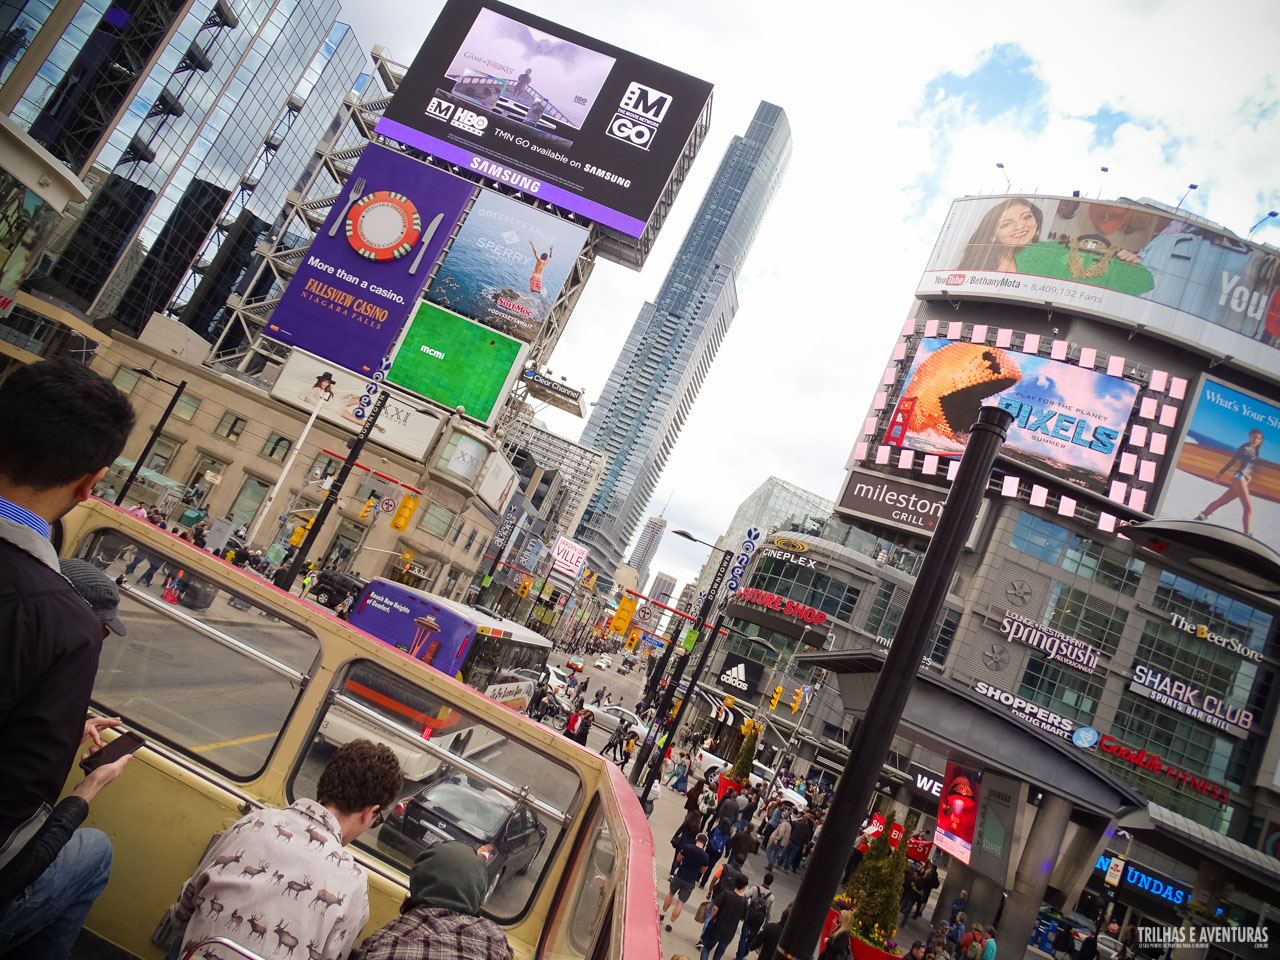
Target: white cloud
(830,279)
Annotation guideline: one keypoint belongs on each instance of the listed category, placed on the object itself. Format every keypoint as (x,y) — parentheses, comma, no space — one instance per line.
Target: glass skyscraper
(191,123)
(670,348)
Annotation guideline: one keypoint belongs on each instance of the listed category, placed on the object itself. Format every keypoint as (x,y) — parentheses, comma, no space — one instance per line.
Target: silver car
(609,715)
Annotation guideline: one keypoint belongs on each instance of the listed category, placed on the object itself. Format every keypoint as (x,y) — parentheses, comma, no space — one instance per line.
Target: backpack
(758,907)
(975,950)
(706,801)
(717,840)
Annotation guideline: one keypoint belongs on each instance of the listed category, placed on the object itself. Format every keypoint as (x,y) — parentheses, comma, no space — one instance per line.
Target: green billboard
(455,362)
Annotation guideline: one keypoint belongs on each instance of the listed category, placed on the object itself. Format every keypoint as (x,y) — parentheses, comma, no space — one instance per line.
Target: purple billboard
(366,268)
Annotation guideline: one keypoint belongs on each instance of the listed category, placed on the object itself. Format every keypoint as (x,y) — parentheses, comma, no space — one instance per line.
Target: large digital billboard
(366,268)
(1227,469)
(507,265)
(1125,262)
(305,379)
(457,362)
(1067,419)
(551,112)
(958,811)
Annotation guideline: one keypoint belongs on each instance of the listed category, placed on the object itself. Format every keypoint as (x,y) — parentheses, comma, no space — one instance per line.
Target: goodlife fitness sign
(1157,764)
(1054,645)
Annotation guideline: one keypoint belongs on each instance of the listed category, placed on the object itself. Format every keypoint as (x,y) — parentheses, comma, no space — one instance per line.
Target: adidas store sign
(736,676)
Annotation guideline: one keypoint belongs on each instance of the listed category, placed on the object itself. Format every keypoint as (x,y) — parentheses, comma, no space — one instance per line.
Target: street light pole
(664,704)
(875,733)
(155,434)
(265,510)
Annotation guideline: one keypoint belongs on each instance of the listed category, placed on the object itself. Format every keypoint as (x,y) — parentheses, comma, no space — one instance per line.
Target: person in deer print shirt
(279,881)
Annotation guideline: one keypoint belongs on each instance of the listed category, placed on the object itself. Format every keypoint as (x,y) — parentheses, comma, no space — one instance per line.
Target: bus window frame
(561,916)
(84,549)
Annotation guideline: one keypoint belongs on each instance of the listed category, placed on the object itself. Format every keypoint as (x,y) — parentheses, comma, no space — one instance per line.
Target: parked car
(506,833)
(575,663)
(609,715)
(1080,925)
(761,775)
(332,586)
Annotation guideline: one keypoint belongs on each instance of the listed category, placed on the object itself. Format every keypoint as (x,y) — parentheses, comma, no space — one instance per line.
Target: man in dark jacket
(75,426)
(766,941)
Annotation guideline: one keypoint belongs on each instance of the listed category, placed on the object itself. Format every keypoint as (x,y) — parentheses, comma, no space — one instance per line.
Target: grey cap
(97,589)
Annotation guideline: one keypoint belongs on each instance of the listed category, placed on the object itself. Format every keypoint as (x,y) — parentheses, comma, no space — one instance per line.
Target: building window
(324,466)
(805,585)
(1086,617)
(1039,538)
(162,453)
(252,492)
(1062,689)
(199,481)
(436,520)
(1103,565)
(1220,613)
(230,426)
(471,538)
(186,407)
(126,378)
(887,607)
(276,448)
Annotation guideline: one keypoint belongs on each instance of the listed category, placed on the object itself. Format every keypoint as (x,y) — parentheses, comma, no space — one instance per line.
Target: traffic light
(632,639)
(300,533)
(368,506)
(525,584)
(728,703)
(777,695)
(795,700)
(404,513)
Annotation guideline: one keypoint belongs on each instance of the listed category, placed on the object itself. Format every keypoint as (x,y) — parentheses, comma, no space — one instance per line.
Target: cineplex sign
(1054,645)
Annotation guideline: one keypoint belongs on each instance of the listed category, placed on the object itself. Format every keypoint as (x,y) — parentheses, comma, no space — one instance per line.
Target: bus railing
(213,633)
(454,760)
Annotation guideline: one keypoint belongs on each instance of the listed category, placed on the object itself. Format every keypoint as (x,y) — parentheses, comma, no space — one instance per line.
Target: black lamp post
(875,733)
(155,434)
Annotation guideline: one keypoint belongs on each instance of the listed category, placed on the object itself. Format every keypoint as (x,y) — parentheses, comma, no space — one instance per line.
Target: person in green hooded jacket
(439,919)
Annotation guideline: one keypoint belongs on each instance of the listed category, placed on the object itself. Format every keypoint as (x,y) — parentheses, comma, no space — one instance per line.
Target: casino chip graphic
(383,225)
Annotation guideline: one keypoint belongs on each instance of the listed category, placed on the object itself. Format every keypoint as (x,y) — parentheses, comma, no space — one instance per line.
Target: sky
(895,109)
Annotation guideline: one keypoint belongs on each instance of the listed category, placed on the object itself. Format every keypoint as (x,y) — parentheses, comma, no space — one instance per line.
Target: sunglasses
(378,819)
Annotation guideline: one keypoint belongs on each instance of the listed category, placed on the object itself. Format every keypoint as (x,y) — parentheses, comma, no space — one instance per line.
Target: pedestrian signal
(777,695)
(728,703)
(404,513)
(795,700)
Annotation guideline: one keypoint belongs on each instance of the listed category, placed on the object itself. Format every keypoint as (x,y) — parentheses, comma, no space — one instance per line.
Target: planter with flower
(874,893)
(739,775)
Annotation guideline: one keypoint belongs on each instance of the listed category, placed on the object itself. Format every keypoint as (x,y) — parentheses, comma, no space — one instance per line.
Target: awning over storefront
(152,478)
(718,710)
(1202,840)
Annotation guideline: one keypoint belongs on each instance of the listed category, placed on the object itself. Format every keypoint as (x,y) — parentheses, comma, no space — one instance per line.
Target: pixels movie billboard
(548,111)
(507,265)
(1067,419)
(457,363)
(366,268)
(1228,465)
(1128,263)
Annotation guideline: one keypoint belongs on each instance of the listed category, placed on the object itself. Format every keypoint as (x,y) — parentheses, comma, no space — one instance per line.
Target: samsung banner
(1115,260)
(1068,420)
(366,268)
(547,111)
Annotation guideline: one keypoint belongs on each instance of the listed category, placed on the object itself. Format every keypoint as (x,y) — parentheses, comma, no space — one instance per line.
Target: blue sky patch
(1005,81)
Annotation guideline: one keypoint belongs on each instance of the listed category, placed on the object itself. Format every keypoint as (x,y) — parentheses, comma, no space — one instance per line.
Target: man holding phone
(64,426)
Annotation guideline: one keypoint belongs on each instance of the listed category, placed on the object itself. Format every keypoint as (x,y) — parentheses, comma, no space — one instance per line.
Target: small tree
(876,887)
(746,754)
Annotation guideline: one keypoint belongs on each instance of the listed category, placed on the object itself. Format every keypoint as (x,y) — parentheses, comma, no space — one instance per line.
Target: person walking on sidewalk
(691,866)
(759,907)
(727,911)
(778,841)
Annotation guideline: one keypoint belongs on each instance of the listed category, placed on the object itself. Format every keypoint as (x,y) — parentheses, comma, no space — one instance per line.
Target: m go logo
(790,545)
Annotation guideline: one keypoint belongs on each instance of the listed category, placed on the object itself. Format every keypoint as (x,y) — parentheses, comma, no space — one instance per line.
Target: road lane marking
(233,743)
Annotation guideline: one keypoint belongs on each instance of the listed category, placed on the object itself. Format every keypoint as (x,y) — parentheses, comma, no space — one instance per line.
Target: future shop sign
(772,601)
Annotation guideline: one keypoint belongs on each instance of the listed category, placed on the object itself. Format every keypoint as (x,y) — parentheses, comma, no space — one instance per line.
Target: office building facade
(671,346)
(191,122)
